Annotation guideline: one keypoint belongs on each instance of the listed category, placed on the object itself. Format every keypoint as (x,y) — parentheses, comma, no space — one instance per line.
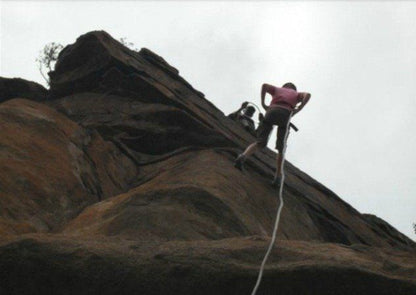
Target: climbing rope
(279,210)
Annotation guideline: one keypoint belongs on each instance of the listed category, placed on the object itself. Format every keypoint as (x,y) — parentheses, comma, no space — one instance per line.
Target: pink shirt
(285,97)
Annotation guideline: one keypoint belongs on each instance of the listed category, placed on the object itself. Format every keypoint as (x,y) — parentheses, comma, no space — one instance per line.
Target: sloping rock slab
(198,194)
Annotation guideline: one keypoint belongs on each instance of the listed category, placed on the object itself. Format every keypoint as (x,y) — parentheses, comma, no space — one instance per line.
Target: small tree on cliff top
(47,59)
(49,55)
(128,44)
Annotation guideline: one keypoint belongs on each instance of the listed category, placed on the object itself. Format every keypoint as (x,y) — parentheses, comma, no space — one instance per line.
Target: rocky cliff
(122,181)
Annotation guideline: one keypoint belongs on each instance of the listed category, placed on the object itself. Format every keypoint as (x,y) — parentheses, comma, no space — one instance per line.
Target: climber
(244,116)
(286,102)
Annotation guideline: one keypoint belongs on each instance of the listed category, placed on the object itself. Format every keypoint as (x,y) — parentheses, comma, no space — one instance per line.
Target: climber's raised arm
(303,98)
(266,88)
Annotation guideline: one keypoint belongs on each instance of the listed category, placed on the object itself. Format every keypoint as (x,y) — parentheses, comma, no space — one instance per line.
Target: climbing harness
(291,125)
(279,210)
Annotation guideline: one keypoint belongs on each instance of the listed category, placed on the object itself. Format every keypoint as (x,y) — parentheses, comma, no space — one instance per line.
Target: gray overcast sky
(357,135)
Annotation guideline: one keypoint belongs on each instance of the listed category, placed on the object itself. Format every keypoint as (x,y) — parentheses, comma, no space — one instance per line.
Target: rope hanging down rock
(279,210)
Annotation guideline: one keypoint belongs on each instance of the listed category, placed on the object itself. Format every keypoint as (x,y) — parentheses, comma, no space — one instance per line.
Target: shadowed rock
(227,266)
(16,87)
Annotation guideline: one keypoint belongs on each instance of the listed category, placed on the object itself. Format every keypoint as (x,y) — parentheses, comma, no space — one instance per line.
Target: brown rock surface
(51,168)
(133,186)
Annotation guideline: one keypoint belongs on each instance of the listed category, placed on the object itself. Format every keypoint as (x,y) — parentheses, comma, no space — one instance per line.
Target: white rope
(279,210)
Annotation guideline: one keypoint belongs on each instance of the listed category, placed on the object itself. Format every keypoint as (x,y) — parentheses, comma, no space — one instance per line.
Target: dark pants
(274,116)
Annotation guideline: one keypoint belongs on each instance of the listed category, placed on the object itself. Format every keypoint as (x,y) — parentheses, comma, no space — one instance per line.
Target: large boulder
(141,103)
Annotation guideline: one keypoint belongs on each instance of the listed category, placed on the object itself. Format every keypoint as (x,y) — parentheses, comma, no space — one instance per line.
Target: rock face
(16,87)
(51,168)
(123,182)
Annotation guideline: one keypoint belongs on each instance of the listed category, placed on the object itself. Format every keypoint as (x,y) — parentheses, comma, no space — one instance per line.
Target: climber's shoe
(239,162)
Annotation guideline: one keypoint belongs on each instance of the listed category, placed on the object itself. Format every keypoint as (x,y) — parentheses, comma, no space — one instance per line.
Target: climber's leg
(281,133)
(251,149)
(263,132)
(280,145)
